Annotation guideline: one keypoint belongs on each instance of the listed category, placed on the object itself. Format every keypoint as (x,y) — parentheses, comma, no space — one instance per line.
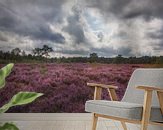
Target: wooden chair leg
(124,125)
(94,122)
(146,110)
(114,97)
(160,98)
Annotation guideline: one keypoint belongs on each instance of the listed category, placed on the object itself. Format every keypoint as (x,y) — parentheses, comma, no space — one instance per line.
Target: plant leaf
(9,126)
(5,107)
(20,98)
(4,72)
(2,82)
(24,98)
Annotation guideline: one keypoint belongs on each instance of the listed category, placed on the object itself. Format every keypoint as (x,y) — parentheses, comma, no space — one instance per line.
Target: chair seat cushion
(125,110)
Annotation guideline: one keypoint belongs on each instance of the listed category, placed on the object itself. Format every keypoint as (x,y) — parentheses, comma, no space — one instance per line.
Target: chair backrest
(145,76)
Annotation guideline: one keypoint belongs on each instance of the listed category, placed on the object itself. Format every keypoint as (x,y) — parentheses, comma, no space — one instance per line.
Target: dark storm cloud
(128,13)
(30,18)
(64,21)
(44,33)
(156,34)
(75,27)
(128,8)
(7,18)
(108,6)
(146,8)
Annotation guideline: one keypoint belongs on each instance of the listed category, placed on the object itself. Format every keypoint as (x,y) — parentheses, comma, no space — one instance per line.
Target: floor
(57,121)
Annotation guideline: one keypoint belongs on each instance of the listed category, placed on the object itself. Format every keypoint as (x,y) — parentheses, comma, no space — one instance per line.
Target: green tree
(93,57)
(37,52)
(23,53)
(46,50)
(16,51)
(119,59)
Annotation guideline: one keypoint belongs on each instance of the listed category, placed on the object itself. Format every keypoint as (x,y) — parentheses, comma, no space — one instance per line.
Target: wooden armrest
(102,86)
(147,88)
(148,103)
(98,90)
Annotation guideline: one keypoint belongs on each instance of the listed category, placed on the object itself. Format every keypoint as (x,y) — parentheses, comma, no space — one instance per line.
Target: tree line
(42,55)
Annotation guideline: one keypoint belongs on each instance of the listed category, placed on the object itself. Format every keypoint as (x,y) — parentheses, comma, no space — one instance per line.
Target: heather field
(63,85)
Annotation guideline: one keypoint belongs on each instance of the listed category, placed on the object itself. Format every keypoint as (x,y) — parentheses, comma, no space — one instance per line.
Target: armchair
(138,107)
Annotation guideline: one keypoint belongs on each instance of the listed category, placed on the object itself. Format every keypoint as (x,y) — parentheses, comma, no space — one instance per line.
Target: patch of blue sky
(96,23)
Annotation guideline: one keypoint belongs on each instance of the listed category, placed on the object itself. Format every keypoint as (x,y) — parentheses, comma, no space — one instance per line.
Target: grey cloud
(127,12)
(127,9)
(158,34)
(122,34)
(6,48)
(151,8)
(100,35)
(74,52)
(7,19)
(31,18)
(74,26)
(45,33)
(157,38)
(108,6)
(28,18)
(103,51)
(3,37)
(125,51)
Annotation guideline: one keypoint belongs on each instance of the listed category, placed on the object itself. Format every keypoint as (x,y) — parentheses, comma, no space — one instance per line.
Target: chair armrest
(148,96)
(98,90)
(102,86)
(147,88)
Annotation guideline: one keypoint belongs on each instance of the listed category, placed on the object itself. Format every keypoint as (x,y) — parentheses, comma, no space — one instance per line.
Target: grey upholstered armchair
(141,104)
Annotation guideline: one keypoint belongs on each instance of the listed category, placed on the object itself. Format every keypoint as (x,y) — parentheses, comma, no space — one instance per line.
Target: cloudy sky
(80,27)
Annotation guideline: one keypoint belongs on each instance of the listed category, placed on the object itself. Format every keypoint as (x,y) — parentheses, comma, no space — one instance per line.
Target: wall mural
(57,46)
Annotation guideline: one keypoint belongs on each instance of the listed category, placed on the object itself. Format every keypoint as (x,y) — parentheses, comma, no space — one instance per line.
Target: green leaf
(4,72)
(24,98)
(2,82)
(20,98)
(5,107)
(8,126)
